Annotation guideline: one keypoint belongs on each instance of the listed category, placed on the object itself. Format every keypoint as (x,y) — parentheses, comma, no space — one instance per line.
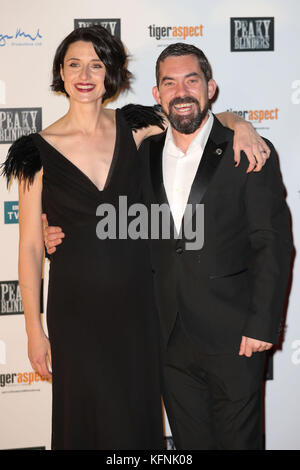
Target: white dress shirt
(179,169)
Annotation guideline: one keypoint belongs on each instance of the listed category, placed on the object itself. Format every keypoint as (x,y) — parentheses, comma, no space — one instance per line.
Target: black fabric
(23,160)
(139,116)
(213,402)
(236,283)
(101,314)
(209,297)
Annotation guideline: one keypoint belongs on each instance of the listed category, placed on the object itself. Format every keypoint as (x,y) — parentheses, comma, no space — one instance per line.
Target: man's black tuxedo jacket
(236,284)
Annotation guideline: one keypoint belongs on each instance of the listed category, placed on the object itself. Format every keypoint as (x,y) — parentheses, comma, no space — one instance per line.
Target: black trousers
(213,402)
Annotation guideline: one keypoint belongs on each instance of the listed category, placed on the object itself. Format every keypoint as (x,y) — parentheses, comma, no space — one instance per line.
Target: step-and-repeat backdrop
(253,46)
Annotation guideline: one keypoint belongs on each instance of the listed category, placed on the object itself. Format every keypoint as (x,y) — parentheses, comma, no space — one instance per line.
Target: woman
(101,314)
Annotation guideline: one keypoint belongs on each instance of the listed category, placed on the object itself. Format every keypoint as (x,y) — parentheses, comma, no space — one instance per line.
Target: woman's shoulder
(54,130)
(23,159)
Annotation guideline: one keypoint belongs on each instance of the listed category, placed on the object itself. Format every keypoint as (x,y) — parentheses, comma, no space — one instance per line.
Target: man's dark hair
(180,49)
(110,51)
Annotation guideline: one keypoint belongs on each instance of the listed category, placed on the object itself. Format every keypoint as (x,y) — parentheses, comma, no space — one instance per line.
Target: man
(220,305)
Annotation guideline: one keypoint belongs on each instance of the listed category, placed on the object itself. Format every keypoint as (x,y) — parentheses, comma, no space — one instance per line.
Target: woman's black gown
(101,314)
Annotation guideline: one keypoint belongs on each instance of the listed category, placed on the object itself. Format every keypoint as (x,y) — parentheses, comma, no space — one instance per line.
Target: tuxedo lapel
(211,158)
(156,152)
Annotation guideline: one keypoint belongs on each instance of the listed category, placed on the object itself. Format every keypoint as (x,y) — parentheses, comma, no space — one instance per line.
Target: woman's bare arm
(31,253)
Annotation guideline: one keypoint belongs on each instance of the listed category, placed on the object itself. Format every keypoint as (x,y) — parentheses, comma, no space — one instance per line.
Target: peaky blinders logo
(10,298)
(113,25)
(252,34)
(16,122)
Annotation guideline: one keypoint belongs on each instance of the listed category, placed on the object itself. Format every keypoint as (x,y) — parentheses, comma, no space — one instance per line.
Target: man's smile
(184,108)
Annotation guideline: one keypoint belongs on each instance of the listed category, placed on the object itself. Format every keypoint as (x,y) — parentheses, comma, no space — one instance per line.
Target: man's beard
(189,123)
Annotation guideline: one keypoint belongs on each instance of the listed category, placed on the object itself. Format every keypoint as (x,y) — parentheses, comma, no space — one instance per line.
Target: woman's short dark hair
(110,51)
(180,49)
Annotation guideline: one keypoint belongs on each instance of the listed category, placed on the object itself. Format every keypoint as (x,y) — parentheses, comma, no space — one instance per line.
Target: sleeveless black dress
(101,315)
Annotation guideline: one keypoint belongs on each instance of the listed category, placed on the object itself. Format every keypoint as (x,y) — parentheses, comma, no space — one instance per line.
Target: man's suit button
(179,250)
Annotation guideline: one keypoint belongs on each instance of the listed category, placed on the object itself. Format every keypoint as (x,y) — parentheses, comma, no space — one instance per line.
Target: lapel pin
(219,151)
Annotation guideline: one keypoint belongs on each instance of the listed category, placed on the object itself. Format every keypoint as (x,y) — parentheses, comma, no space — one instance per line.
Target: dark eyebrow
(76,58)
(164,79)
(192,74)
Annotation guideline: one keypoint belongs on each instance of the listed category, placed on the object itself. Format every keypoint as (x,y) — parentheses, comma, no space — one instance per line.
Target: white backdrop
(267,81)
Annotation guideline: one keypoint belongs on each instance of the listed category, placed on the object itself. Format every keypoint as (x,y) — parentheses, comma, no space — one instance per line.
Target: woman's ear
(61,70)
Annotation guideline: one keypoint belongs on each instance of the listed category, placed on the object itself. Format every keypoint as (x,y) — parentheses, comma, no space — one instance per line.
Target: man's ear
(211,87)
(156,95)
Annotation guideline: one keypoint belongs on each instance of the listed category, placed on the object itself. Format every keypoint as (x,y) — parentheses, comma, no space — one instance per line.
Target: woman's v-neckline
(112,163)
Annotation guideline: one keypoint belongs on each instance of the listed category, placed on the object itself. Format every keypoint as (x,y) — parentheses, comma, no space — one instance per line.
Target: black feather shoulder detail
(139,116)
(23,160)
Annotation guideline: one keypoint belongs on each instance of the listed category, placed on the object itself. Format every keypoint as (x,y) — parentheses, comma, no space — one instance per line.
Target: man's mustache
(182,100)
